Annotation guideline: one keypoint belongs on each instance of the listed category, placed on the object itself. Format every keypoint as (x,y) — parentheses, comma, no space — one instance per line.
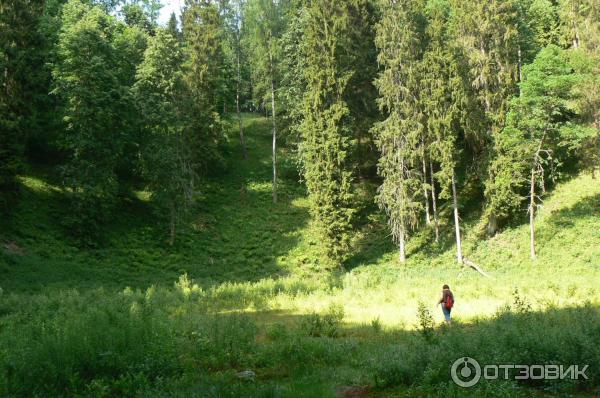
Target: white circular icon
(465,372)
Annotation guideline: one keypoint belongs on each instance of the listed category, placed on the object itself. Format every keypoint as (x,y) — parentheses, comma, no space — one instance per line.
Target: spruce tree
(489,35)
(400,40)
(445,96)
(202,33)
(326,139)
(542,129)
(173,26)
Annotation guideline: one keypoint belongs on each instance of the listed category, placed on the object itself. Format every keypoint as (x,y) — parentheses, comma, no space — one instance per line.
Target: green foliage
(95,102)
(160,92)
(202,34)
(426,324)
(134,15)
(263,26)
(327,140)
(399,135)
(426,363)
(543,129)
(327,325)
(244,309)
(138,343)
(376,325)
(480,92)
(543,23)
(17,23)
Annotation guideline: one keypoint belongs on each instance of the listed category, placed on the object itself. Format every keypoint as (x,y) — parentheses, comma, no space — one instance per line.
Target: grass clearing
(243,288)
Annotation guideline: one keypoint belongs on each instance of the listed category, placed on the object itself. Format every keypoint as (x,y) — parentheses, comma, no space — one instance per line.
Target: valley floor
(243,288)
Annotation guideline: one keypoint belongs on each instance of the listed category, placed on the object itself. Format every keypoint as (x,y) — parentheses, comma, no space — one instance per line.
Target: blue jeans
(446,312)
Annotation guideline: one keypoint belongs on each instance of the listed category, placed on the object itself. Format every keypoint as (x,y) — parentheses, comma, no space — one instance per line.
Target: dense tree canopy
(464,105)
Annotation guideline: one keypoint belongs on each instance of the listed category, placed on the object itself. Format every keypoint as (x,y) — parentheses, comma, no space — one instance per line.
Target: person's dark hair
(445,287)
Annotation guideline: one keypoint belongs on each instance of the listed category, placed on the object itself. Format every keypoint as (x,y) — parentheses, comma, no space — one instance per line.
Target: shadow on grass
(166,340)
(235,233)
(586,208)
(418,362)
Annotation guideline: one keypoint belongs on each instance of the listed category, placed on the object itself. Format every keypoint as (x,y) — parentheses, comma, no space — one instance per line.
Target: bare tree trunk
(520,64)
(402,254)
(532,215)
(274,129)
(576,35)
(459,256)
(237,101)
(434,203)
(425,191)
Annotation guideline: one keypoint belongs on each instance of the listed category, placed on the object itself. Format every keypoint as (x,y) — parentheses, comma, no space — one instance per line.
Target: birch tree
(166,160)
(264,20)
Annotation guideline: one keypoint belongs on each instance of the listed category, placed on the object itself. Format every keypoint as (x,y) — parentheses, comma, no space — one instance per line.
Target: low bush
(567,336)
(317,325)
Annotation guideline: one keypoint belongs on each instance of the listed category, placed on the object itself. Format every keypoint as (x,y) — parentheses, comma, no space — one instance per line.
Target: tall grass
(138,343)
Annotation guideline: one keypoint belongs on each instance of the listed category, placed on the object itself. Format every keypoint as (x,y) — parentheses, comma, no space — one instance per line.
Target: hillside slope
(243,288)
(238,235)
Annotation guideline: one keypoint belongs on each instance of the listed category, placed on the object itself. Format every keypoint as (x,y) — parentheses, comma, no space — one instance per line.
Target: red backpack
(449,303)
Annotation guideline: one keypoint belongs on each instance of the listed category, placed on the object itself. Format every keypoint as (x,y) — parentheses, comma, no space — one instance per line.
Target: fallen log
(476,267)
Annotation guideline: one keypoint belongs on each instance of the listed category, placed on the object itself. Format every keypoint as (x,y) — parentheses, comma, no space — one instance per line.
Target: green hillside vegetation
(268,198)
(190,322)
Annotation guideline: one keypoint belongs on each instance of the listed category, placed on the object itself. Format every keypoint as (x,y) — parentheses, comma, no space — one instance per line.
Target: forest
(263,198)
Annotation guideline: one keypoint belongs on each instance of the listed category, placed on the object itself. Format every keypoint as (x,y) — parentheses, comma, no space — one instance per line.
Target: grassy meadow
(244,288)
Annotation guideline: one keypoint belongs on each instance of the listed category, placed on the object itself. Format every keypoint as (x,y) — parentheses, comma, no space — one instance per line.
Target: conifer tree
(488,34)
(292,67)
(580,29)
(399,39)
(202,32)
(542,128)
(443,92)
(326,139)
(235,25)
(173,26)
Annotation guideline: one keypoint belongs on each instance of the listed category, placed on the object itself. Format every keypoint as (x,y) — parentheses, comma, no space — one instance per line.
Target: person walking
(447,302)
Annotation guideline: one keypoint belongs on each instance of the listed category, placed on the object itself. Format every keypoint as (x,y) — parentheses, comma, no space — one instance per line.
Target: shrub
(316,325)
(426,324)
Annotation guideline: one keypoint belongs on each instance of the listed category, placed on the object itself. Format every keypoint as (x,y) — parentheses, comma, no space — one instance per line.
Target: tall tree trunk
(237,101)
(402,253)
(532,215)
(459,256)
(425,191)
(520,64)
(434,203)
(274,128)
